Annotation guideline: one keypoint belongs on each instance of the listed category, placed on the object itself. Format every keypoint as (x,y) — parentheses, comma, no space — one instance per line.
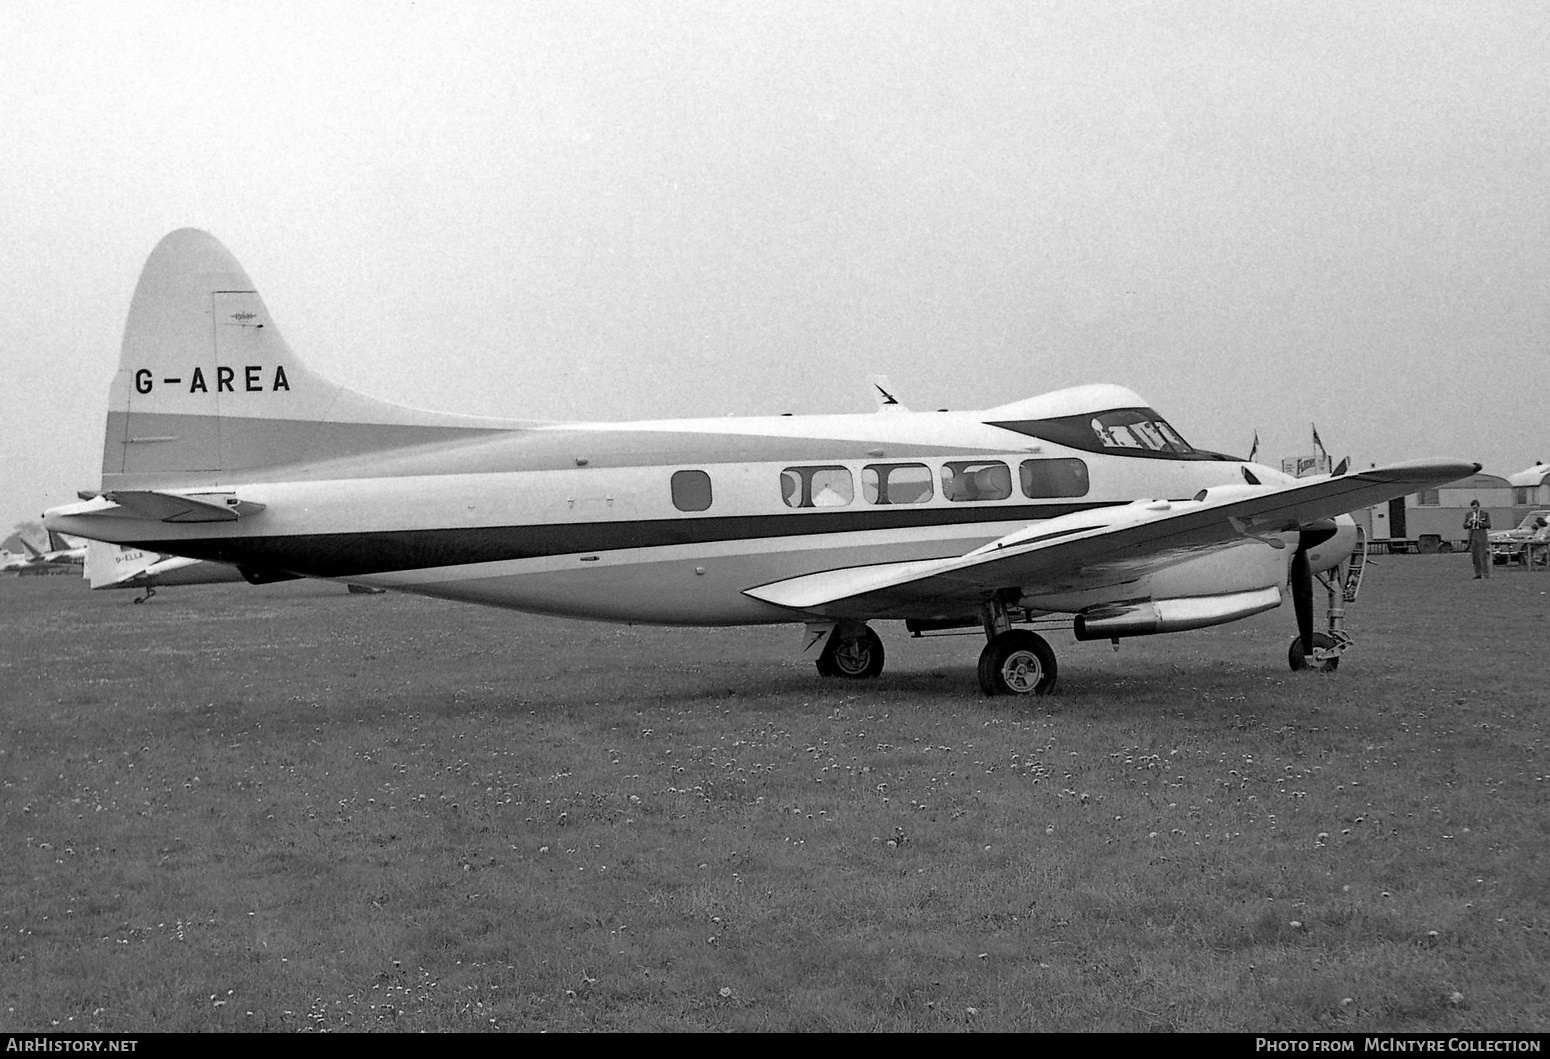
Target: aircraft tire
(1299,662)
(1017,662)
(858,657)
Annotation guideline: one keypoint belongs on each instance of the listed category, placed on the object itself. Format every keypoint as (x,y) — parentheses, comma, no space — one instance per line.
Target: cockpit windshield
(1138,428)
(1115,432)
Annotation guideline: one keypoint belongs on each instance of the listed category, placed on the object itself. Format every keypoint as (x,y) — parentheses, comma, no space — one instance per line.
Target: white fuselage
(586,520)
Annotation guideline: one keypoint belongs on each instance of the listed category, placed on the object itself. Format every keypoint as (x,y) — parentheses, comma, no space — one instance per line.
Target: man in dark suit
(1478,523)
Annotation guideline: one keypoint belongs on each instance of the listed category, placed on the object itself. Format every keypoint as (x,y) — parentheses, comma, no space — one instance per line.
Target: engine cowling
(1174,615)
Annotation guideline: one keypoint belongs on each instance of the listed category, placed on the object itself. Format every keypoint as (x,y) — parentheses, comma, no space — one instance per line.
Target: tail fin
(208,390)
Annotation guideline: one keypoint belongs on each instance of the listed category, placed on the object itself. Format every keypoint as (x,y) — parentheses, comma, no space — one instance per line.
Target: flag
(1317,444)
(1254,448)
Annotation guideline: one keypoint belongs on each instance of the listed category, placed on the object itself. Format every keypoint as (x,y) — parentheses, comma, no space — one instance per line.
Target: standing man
(1478,523)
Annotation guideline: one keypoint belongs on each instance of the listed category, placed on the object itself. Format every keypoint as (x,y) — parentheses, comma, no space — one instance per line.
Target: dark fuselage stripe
(375,552)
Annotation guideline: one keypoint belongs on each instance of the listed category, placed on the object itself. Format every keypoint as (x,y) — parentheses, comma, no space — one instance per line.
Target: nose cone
(1328,554)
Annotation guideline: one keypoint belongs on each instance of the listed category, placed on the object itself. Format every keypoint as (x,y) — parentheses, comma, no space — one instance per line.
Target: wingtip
(1418,470)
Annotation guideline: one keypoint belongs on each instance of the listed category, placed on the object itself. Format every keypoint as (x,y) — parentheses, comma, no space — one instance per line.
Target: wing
(1101,547)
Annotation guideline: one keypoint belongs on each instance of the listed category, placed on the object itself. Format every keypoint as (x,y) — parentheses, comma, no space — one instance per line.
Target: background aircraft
(115,566)
(1084,504)
(63,556)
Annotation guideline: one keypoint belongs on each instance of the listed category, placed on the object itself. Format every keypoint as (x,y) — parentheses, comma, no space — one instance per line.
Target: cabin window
(1046,478)
(691,490)
(816,486)
(1428,498)
(896,483)
(976,480)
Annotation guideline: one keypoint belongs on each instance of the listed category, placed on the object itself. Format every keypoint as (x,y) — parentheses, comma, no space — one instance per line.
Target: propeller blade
(1302,598)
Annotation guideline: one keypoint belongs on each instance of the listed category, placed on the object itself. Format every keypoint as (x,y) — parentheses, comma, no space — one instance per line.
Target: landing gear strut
(852,651)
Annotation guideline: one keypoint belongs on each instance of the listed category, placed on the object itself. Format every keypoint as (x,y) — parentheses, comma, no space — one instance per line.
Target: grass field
(289,808)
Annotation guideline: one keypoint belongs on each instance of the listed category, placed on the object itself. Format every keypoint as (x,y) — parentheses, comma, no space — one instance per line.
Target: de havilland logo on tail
(1083,507)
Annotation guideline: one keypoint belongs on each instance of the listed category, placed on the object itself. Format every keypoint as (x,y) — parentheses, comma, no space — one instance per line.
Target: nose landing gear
(1342,585)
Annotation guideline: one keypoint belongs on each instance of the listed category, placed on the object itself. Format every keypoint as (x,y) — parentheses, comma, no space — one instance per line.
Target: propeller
(1310,535)
(1302,598)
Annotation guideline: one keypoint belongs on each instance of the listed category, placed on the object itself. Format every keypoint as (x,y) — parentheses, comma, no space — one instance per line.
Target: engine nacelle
(1174,615)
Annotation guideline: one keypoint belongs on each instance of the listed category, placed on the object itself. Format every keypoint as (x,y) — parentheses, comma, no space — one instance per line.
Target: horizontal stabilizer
(174,507)
(162,507)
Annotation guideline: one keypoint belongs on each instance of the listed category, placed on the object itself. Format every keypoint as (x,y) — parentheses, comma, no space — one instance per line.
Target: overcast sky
(1259,216)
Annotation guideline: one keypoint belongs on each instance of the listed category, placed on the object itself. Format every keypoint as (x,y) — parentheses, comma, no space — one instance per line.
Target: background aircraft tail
(112,564)
(207,390)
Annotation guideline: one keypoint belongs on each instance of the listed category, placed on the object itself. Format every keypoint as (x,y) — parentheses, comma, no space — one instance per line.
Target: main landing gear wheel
(1300,662)
(1017,662)
(858,655)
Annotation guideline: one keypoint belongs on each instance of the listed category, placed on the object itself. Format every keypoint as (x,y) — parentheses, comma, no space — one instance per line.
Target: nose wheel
(1325,657)
(1017,662)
